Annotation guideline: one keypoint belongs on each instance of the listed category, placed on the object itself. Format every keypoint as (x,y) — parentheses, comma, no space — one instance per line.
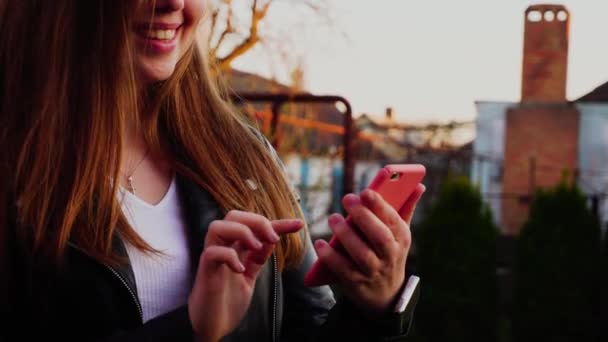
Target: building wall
(541,143)
(593,153)
(488,152)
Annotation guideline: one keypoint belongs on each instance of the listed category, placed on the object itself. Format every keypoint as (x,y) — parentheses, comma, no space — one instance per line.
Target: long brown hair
(67,86)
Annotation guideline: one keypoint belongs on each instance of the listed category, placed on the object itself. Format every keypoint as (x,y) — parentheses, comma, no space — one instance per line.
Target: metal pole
(278,99)
(349,164)
(274,123)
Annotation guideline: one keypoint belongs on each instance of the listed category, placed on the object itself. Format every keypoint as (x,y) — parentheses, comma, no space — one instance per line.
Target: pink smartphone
(395,183)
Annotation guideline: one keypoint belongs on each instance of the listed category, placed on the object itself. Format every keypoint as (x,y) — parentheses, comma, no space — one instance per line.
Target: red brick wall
(549,133)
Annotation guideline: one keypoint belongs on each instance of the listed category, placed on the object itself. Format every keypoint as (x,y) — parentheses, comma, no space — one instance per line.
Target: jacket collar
(199,209)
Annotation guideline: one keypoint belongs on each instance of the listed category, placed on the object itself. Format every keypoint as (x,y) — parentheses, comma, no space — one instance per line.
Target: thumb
(254,260)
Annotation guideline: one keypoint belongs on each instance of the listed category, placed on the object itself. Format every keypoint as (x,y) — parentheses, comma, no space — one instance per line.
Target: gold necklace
(129,177)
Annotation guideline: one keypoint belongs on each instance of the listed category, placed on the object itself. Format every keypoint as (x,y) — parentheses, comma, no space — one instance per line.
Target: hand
(235,250)
(377,242)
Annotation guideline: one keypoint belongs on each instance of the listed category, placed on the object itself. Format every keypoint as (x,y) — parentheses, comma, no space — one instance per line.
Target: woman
(137,206)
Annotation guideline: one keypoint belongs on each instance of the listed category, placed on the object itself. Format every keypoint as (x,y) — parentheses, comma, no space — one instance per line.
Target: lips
(158,38)
(158,26)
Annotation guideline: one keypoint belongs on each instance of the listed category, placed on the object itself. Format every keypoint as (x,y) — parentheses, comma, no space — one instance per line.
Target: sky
(428,59)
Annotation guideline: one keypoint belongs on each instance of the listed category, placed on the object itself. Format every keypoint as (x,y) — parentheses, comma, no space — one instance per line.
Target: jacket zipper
(133,296)
(274,307)
(122,280)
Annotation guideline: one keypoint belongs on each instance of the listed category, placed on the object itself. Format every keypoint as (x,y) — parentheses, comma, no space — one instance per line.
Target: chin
(155,72)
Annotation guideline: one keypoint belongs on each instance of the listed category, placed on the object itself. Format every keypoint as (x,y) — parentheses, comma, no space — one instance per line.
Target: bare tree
(236,26)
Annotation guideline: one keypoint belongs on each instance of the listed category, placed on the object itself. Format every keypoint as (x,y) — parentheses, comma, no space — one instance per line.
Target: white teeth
(161,34)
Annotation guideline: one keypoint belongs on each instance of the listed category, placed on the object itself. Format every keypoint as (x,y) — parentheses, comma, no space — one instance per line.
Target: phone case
(395,183)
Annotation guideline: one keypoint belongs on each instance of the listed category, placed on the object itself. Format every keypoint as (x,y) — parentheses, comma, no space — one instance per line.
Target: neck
(133,138)
(133,146)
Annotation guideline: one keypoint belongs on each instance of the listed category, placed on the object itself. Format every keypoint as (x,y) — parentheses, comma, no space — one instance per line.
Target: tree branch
(228,30)
(257,15)
(213,26)
(240,35)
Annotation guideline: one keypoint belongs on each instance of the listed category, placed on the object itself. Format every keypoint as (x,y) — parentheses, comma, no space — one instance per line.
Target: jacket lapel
(199,209)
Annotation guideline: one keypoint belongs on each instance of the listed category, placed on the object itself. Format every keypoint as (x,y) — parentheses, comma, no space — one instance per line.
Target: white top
(163,281)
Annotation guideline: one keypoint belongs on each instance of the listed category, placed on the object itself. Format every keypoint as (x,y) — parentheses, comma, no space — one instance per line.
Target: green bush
(558,270)
(456,248)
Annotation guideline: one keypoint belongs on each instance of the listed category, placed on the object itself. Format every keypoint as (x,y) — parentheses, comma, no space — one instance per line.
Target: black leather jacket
(89,301)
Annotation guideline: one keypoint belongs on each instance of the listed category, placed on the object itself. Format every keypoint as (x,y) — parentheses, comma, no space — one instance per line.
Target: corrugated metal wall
(488,150)
(593,153)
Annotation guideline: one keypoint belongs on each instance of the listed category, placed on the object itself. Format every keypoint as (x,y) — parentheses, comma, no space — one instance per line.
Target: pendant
(131,187)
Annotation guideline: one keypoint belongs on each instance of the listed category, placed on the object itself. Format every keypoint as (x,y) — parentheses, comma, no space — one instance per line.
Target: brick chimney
(545,60)
(541,133)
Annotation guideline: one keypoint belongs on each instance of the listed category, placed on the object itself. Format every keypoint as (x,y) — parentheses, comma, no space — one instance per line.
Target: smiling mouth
(160,34)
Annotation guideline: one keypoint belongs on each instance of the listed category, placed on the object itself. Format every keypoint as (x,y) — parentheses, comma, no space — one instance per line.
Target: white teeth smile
(160,34)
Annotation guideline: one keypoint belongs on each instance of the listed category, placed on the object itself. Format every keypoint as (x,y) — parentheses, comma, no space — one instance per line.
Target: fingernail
(241,267)
(334,219)
(351,200)
(320,244)
(368,195)
(258,245)
(274,237)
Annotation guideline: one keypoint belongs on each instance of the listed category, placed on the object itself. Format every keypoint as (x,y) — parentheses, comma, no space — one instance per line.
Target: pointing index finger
(287,226)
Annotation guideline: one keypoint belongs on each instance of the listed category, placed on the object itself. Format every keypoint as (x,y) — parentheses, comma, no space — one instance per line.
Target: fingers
(265,230)
(335,262)
(254,260)
(407,210)
(398,225)
(380,237)
(384,211)
(258,224)
(252,236)
(227,233)
(287,226)
(361,254)
(216,256)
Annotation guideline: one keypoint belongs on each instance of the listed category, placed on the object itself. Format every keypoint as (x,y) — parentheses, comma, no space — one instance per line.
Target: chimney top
(547,13)
(545,59)
(546,7)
